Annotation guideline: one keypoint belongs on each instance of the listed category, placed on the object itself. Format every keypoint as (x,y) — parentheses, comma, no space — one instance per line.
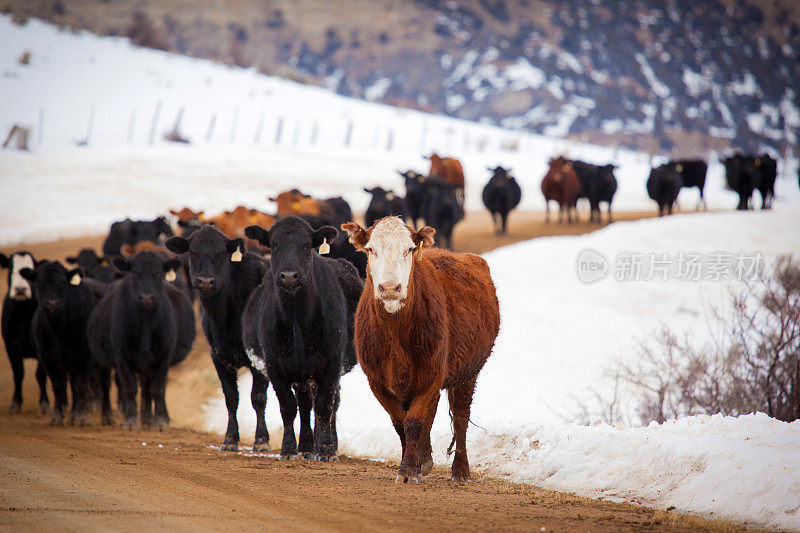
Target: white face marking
(20,288)
(390,255)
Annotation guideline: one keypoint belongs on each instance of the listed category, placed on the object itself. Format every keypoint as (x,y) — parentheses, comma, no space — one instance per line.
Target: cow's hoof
(44,408)
(290,456)
(308,455)
(326,458)
(426,467)
(57,420)
(229,447)
(460,478)
(14,408)
(161,424)
(414,480)
(107,420)
(261,447)
(129,424)
(82,419)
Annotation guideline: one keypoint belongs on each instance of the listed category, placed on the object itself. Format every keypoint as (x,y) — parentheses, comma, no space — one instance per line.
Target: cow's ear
(28,273)
(324,234)
(72,260)
(121,264)
(423,238)
(172,265)
(128,250)
(75,276)
(236,249)
(368,191)
(257,233)
(177,245)
(357,235)
(173,212)
(272,199)
(5,262)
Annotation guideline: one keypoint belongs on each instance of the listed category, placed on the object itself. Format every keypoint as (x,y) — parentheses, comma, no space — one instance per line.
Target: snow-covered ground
(138,93)
(557,333)
(556,338)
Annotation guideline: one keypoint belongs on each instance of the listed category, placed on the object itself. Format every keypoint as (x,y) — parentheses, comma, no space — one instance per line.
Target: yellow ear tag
(170,276)
(390,196)
(679,168)
(324,248)
(236,256)
(75,280)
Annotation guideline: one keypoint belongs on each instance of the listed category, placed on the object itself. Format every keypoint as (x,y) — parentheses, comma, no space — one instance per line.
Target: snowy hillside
(556,338)
(652,73)
(136,95)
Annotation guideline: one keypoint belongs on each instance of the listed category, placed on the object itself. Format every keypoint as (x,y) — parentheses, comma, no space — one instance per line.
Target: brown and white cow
(426,321)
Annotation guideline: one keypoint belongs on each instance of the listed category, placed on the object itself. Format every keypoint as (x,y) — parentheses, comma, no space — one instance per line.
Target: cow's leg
(325,403)
(129,387)
(425,449)
(79,383)
(610,219)
(58,379)
(230,389)
(395,409)
(41,379)
(106,417)
(120,396)
(414,426)
(460,402)
(18,369)
(158,391)
(304,395)
(146,407)
(547,211)
(288,406)
(504,220)
(258,397)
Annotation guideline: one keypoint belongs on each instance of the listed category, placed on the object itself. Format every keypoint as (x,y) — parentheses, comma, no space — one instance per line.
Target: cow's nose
(51,304)
(205,284)
(146,300)
(289,277)
(19,291)
(389,289)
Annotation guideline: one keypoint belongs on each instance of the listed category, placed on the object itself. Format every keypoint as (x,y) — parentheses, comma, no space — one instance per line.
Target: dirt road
(65,478)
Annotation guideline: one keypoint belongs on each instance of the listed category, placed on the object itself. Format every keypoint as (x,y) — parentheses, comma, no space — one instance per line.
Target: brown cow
(448,169)
(425,322)
(561,184)
(295,203)
(186,216)
(232,223)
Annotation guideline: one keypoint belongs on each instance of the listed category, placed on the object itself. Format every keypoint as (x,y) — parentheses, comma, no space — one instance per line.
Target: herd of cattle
(298,303)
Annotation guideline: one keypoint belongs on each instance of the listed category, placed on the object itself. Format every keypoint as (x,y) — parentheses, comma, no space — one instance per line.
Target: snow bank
(557,336)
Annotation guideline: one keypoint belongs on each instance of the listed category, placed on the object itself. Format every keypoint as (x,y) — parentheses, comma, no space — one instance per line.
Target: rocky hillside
(665,76)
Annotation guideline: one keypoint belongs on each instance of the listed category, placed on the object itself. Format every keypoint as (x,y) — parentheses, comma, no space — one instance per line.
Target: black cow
(383,204)
(598,184)
(341,247)
(141,327)
(18,308)
(298,329)
(663,187)
(442,210)
(767,170)
(416,193)
(741,178)
(338,210)
(224,275)
(65,301)
(693,174)
(500,196)
(93,265)
(132,231)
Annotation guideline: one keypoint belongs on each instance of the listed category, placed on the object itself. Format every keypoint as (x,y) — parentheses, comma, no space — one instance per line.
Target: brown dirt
(97,478)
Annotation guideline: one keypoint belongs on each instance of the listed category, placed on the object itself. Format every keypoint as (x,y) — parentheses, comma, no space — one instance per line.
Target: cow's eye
(371,251)
(409,251)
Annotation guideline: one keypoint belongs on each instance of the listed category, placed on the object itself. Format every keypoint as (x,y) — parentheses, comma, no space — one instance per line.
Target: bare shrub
(142,32)
(754,365)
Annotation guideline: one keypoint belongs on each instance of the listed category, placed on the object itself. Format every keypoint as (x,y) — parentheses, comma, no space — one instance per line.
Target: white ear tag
(390,196)
(75,279)
(236,256)
(170,276)
(324,248)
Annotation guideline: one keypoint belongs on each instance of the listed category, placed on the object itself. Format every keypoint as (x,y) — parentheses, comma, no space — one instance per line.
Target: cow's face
(391,248)
(210,256)
(147,272)
(292,243)
(87,259)
(53,283)
(19,288)
(153,230)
